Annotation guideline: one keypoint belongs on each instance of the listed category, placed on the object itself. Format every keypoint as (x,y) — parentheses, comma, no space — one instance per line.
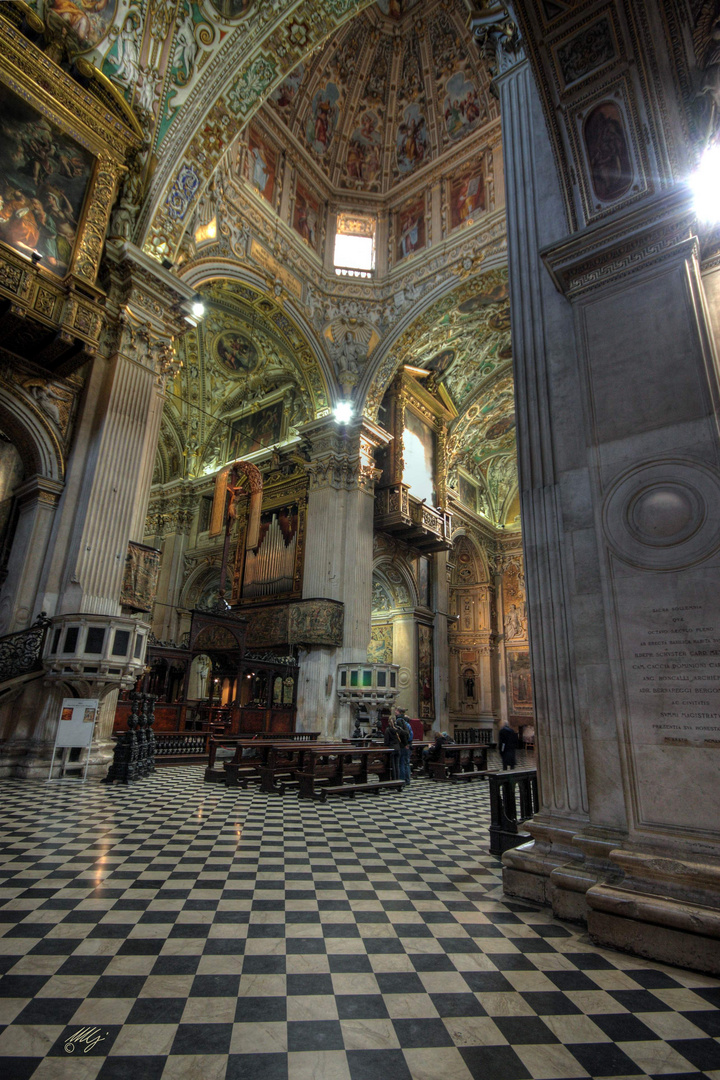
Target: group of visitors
(399,737)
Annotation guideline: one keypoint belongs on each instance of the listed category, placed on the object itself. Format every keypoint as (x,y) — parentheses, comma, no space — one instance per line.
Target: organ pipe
(269,570)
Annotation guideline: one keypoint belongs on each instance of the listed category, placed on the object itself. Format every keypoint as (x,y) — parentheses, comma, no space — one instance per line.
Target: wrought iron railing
(21,653)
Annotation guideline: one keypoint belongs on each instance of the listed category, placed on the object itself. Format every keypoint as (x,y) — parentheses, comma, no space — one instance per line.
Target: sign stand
(75,730)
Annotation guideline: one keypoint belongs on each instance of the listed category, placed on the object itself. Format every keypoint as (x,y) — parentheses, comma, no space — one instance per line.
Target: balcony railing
(21,653)
(398,511)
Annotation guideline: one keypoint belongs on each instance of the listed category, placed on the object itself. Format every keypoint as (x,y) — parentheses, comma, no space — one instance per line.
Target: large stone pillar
(618,457)
(338,558)
(104,501)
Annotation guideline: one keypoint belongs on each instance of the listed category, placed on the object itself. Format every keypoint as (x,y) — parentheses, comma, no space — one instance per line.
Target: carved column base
(656,902)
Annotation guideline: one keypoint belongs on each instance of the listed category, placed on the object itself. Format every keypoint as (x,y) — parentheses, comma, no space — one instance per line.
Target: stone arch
(39,445)
(205,271)
(463,538)
(199,582)
(385,363)
(395,575)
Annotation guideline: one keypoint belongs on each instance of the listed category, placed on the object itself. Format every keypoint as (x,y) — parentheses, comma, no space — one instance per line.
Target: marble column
(338,558)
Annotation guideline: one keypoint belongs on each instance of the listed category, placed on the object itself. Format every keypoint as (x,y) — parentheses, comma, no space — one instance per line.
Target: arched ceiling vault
(463,339)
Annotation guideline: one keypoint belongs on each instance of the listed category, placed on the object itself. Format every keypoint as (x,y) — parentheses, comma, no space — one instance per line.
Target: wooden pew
(342,770)
(460,761)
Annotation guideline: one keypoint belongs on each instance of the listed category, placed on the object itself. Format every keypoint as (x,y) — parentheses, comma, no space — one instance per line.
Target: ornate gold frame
(94,116)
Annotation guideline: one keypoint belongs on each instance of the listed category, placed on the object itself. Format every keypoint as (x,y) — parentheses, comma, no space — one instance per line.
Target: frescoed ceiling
(387,95)
(249,379)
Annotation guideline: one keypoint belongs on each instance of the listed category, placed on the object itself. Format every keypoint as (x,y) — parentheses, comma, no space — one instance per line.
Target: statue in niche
(349,355)
(514,623)
(128,204)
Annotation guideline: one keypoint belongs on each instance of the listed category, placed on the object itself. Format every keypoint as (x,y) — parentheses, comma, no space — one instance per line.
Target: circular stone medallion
(664,515)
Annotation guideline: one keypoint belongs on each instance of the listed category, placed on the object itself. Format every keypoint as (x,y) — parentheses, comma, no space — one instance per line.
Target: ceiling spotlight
(705,184)
(343,412)
(197,307)
(167,264)
(36,257)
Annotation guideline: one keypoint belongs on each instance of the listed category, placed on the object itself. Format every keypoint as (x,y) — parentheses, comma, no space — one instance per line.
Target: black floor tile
(604,1059)
(257,1067)
(493,1063)
(524,1030)
(314,1035)
(623,1027)
(424,1032)
(704,1054)
(202,1039)
(360,1006)
(378,1065)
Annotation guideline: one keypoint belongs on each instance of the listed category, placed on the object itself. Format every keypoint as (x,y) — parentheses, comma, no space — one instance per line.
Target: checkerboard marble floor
(180,930)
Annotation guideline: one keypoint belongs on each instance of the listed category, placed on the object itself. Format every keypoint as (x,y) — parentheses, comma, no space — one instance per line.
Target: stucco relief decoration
(251,85)
(182,192)
(586,51)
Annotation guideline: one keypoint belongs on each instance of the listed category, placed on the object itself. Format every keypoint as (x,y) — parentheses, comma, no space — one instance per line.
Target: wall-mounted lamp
(343,412)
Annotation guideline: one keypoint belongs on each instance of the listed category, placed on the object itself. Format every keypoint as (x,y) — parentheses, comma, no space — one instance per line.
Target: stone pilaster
(618,461)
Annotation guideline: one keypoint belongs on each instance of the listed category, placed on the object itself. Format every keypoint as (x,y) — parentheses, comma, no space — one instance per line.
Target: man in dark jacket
(432,753)
(507,745)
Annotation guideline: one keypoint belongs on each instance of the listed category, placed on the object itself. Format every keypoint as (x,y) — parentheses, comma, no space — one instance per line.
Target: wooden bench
(240,770)
(338,770)
(460,761)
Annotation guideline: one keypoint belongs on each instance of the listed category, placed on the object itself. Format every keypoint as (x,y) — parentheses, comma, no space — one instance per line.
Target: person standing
(405,734)
(507,745)
(392,741)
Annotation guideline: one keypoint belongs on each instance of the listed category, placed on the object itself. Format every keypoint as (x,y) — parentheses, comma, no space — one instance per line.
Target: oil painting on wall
(426,705)
(520,682)
(611,170)
(306,216)
(255,431)
(261,166)
(237,351)
(44,176)
(411,228)
(380,649)
(88,21)
(466,492)
(467,196)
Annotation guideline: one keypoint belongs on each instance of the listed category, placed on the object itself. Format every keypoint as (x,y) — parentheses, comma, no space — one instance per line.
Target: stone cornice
(603,254)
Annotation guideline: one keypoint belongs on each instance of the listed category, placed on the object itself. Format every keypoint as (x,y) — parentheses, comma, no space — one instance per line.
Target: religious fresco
(306,216)
(364,150)
(426,660)
(261,165)
(608,153)
(461,108)
(284,95)
(467,195)
(410,228)
(255,431)
(88,21)
(44,177)
(380,649)
(412,143)
(519,682)
(237,351)
(323,118)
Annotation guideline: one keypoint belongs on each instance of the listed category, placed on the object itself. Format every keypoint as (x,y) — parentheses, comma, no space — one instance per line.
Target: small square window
(355,245)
